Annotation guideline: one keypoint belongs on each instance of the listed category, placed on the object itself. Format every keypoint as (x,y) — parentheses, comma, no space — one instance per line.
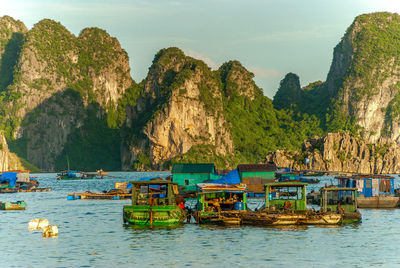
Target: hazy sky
(269,37)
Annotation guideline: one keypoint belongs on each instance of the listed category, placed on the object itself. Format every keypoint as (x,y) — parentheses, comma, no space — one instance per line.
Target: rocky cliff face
(365,74)
(58,78)
(182,101)
(344,153)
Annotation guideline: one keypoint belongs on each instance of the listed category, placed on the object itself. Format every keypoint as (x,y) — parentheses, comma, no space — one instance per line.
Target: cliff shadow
(9,60)
(63,132)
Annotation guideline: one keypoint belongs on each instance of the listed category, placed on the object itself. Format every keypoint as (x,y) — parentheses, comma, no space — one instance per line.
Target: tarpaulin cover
(11,177)
(230,178)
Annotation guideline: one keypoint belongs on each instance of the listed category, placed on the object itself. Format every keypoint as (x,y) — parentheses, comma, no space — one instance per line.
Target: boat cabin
(286,195)
(369,186)
(154,192)
(189,175)
(220,198)
(335,198)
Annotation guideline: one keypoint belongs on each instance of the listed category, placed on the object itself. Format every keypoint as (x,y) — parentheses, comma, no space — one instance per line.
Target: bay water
(92,234)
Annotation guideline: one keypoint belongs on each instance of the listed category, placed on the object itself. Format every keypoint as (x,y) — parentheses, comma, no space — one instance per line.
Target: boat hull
(231,218)
(323,219)
(351,217)
(154,216)
(268,219)
(281,219)
(378,202)
(19,205)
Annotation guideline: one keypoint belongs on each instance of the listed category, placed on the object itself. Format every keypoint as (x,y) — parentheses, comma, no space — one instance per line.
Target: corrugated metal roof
(193,168)
(257,167)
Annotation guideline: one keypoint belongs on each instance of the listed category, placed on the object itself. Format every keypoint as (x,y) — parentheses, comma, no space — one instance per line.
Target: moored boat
(220,204)
(18,205)
(154,203)
(76,175)
(122,190)
(343,200)
(285,204)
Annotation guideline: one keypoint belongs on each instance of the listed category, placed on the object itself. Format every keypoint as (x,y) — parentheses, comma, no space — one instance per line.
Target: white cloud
(201,56)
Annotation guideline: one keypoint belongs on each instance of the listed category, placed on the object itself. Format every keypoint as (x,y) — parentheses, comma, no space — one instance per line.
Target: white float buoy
(38,224)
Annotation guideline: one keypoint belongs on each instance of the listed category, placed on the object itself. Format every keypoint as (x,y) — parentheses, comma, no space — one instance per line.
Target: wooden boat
(374,191)
(154,203)
(120,191)
(343,200)
(286,204)
(75,175)
(18,205)
(220,204)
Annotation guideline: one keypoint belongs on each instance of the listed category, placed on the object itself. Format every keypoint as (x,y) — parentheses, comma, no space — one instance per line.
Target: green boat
(221,204)
(286,204)
(18,205)
(154,203)
(342,200)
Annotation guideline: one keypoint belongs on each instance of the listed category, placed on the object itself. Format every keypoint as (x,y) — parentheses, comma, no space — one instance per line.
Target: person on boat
(180,201)
(182,206)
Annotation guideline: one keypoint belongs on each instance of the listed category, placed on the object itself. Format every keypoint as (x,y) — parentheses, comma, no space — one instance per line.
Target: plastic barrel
(70,197)
(239,206)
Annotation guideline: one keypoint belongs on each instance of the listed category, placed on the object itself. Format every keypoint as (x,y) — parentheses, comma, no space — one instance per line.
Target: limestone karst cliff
(344,153)
(60,83)
(67,98)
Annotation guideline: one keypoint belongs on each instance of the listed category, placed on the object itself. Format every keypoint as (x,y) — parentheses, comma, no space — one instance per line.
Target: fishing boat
(75,175)
(285,204)
(122,190)
(18,205)
(374,191)
(343,200)
(154,203)
(220,204)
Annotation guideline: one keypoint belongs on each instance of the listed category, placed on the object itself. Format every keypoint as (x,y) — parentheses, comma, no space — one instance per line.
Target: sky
(269,37)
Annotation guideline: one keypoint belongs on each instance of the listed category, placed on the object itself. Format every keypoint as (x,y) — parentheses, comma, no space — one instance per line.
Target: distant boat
(18,181)
(18,205)
(75,175)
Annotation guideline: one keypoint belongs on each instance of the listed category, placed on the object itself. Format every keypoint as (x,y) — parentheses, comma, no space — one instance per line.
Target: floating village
(198,193)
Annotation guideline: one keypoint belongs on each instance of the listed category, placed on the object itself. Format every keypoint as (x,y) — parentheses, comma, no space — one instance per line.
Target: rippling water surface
(91,233)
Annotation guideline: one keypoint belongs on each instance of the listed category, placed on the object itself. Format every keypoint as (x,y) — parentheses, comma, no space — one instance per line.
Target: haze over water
(91,234)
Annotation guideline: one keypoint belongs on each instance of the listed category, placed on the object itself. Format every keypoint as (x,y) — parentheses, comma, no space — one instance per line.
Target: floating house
(374,191)
(255,176)
(264,171)
(189,175)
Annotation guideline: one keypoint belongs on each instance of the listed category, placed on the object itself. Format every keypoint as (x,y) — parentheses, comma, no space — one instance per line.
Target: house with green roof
(189,175)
